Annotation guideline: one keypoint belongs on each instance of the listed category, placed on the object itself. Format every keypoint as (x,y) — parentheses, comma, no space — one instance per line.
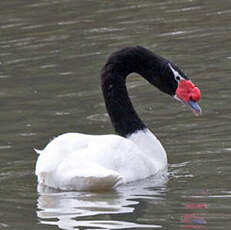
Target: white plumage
(76,161)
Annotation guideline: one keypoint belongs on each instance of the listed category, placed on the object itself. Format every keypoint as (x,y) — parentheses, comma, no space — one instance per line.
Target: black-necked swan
(75,161)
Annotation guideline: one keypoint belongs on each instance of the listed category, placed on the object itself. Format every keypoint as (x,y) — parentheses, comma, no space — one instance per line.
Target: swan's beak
(189,94)
(196,109)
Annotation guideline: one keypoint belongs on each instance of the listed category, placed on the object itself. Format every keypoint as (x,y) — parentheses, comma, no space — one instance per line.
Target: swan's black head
(170,79)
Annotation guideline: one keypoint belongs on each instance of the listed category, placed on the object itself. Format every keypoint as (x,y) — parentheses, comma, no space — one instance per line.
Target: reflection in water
(64,208)
(195,219)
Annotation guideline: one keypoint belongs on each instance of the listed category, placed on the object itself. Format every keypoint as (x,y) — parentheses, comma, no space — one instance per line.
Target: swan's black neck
(119,65)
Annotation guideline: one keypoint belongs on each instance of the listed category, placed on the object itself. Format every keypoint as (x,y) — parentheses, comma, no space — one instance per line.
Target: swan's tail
(38,151)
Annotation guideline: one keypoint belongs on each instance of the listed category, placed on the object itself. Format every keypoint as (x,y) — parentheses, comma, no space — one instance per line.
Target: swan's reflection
(70,210)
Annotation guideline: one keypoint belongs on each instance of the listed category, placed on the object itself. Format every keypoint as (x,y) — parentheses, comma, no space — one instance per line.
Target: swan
(75,161)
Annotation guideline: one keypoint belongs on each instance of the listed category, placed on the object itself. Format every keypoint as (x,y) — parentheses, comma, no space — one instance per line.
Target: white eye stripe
(177,76)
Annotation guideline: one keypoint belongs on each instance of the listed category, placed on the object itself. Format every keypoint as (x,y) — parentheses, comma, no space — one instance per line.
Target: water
(51,53)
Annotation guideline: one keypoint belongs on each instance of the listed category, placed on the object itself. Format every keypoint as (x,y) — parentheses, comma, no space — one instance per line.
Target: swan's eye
(177,78)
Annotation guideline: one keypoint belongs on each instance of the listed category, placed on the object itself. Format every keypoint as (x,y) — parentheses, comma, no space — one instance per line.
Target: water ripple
(5,147)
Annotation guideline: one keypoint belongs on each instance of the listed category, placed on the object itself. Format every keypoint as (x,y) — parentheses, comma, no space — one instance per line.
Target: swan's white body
(76,161)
